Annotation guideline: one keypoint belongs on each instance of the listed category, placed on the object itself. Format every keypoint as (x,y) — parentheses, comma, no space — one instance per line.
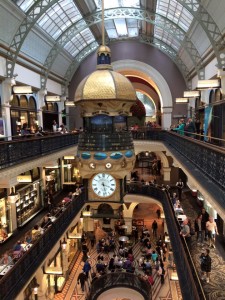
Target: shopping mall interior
(112,161)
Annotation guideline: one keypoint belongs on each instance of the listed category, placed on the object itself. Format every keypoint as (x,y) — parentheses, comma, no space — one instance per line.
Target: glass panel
(59,17)
(15,101)
(121,27)
(79,42)
(117,3)
(23,102)
(175,12)
(166,38)
(23,117)
(32,103)
(24,4)
(148,103)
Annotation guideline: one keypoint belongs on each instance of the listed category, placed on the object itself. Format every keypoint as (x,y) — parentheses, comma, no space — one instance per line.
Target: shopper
(81,279)
(206,263)
(212,231)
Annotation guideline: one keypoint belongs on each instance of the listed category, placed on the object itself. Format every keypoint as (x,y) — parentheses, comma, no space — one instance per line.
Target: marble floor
(215,289)
(170,290)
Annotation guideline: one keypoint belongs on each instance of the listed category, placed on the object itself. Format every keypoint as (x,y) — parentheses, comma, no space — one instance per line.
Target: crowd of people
(203,230)
(11,256)
(117,255)
(189,128)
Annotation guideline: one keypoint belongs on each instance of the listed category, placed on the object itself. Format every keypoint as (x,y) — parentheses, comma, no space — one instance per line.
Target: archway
(154,78)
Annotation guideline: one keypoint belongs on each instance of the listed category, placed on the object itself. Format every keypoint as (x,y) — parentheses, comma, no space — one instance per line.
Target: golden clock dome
(105,85)
(104,90)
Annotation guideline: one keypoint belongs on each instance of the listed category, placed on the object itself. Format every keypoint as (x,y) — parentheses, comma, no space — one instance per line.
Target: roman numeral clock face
(103,185)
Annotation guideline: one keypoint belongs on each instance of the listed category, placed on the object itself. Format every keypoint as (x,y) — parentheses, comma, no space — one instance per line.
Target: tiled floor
(169,291)
(215,289)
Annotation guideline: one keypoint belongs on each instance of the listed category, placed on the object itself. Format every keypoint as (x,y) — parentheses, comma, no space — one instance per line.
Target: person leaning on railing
(180,128)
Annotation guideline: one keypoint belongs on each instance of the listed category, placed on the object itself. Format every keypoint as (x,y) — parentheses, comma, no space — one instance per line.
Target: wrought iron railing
(208,158)
(113,141)
(119,279)
(18,151)
(15,279)
(189,282)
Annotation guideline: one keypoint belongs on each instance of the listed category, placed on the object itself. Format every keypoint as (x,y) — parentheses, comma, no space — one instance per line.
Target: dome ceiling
(66,31)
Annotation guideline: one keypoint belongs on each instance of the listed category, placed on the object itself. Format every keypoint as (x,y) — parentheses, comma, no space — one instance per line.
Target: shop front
(5,217)
(26,197)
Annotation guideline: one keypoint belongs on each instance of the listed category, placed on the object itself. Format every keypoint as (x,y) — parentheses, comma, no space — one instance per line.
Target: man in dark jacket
(81,279)
(206,263)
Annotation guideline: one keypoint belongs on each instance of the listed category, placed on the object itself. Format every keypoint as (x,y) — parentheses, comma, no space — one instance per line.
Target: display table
(4,269)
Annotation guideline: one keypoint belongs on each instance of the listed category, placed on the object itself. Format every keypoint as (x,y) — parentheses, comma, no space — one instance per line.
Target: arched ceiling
(71,29)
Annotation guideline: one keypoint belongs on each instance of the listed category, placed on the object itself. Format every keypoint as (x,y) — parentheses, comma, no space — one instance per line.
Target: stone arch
(135,200)
(155,79)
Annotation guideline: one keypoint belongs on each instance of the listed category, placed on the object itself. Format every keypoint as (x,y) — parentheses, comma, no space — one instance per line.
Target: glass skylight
(121,27)
(148,104)
(59,17)
(79,42)
(175,12)
(167,38)
(24,4)
(117,3)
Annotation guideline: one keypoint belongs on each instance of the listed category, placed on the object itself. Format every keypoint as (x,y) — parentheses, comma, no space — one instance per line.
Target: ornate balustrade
(189,282)
(15,279)
(208,158)
(105,141)
(119,279)
(18,151)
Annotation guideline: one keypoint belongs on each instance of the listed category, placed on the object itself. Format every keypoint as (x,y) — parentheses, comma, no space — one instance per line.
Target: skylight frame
(79,42)
(175,12)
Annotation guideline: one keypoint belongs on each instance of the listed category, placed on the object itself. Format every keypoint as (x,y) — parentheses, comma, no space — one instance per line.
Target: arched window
(50,113)
(218,95)
(211,97)
(23,110)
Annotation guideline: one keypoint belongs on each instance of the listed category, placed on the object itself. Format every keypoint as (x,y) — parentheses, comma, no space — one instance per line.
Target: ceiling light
(52,98)
(181,100)
(69,103)
(25,89)
(208,84)
(191,94)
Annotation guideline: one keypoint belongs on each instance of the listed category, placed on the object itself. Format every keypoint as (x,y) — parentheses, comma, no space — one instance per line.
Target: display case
(28,204)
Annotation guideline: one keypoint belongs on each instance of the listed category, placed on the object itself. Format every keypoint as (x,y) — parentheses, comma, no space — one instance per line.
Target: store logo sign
(24,178)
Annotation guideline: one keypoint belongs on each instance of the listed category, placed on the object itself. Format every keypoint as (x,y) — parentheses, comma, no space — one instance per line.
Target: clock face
(103,185)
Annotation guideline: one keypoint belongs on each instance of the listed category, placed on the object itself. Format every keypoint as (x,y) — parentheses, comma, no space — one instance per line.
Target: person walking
(206,264)
(205,219)
(81,279)
(87,268)
(185,232)
(154,228)
(198,229)
(212,231)
(180,186)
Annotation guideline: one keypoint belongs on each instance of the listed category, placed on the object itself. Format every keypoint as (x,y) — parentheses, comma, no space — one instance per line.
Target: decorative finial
(104,53)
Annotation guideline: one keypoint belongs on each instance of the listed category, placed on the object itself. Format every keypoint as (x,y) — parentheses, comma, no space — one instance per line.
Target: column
(166,117)
(221,75)
(6,98)
(128,223)
(166,173)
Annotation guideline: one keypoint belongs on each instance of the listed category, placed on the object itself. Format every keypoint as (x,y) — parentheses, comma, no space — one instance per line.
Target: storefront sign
(24,178)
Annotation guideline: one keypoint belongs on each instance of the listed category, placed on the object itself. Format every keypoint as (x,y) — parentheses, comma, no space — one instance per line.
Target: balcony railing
(189,282)
(18,151)
(113,141)
(15,279)
(119,279)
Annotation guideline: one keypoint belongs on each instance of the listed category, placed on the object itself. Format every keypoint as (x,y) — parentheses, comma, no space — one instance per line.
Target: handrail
(15,279)
(15,152)
(119,279)
(189,287)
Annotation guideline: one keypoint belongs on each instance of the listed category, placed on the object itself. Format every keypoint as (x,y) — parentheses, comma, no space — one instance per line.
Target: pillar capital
(221,75)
